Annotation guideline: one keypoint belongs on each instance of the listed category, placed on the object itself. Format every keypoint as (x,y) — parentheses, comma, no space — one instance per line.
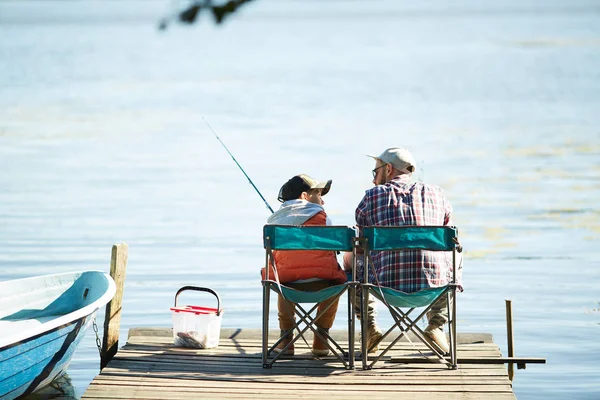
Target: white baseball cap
(399,158)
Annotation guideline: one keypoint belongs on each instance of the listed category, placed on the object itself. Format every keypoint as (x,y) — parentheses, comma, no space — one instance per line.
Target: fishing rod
(238,164)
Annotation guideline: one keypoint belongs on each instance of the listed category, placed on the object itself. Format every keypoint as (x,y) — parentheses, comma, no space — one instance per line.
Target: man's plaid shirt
(404,202)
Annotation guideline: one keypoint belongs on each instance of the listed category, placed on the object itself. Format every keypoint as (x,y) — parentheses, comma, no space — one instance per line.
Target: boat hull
(57,325)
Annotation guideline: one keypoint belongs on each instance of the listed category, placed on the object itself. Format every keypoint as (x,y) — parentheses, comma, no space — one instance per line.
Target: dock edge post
(510,337)
(112,316)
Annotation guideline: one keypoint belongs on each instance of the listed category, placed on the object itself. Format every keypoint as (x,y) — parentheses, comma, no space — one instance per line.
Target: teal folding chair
(286,237)
(400,304)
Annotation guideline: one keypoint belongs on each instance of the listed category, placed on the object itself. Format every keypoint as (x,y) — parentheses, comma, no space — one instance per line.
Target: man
(397,200)
(307,270)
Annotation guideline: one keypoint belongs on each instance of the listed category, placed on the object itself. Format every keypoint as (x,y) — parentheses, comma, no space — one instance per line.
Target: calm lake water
(102,141)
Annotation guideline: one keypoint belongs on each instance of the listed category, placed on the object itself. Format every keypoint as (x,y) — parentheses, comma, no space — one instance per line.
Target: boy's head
(304,187)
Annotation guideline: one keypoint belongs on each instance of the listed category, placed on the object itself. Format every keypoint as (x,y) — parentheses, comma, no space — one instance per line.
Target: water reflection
(60,389)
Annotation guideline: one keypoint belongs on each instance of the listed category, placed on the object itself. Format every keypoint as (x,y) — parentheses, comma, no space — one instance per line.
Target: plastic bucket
(196,326)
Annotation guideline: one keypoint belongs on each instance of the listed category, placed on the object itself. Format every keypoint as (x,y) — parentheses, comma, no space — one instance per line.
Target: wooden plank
(99,393)
(293,374)
(226,345)
(116,376)
(166,334)
(250,349)
(288,365)
(183,356)
(295,368)
(302,353)
(275,387)
(198,380)
(112,318)
(300,360)
(328,381)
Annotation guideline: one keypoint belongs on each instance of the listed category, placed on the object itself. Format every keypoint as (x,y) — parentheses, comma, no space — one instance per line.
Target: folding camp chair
(285,237)
(401,304)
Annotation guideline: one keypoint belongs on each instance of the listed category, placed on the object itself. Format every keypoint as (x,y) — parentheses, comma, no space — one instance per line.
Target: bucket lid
(197,310)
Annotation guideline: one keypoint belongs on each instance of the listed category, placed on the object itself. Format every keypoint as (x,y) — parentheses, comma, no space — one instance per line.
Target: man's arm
(447,212)
(360,215)
(448,222)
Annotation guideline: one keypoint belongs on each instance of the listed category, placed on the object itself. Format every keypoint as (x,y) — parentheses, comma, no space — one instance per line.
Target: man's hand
(459,247)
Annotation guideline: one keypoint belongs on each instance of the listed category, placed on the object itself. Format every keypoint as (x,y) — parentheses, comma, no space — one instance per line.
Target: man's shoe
(437,336)
(374,336)
(279,348)
(319,347)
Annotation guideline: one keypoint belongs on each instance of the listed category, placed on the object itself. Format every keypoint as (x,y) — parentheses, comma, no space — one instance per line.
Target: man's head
(392,162)
(304,187)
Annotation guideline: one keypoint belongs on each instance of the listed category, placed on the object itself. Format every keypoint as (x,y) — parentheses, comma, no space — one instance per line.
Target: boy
(307,270)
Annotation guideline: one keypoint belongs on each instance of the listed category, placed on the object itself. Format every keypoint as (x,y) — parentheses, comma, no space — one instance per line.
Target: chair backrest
(396,238)
(435,238)
(290,237)
(294,237)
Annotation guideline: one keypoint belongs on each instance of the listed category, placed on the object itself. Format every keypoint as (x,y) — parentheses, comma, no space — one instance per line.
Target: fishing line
(238,164)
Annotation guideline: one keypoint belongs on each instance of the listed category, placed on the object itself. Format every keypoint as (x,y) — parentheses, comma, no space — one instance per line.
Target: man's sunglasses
(376,169)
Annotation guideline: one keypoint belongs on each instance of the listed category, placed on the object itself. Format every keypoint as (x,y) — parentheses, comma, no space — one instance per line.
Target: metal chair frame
(433,238)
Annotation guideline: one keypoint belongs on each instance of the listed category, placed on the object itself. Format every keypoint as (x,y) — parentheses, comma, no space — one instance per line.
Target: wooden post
(510,338)
(112,317)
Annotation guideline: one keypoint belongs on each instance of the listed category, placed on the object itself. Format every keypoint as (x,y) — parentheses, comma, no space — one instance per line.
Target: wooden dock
(150,367)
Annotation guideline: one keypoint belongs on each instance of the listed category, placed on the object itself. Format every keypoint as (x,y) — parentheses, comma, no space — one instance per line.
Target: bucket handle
(200,289)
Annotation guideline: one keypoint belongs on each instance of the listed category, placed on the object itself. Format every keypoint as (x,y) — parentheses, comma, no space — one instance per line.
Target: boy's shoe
(374,336)
(437,336)
(279,348)
(319,347)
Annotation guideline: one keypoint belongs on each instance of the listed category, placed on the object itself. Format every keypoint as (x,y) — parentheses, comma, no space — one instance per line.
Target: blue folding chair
(286,237)
(401,304)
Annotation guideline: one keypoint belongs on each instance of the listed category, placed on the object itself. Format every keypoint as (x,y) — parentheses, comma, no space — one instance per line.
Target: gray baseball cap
(398,157)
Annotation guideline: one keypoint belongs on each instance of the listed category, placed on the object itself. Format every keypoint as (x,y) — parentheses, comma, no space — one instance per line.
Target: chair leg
(364,328)
(265,325)
(351,326)
(452,328)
